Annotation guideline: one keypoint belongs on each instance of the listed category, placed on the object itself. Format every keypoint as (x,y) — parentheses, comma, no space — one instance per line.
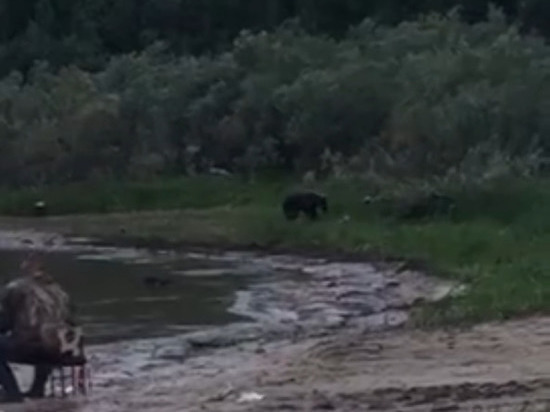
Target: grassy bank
(497,241)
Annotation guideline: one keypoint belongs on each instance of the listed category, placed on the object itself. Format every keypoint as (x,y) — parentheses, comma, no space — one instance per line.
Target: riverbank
(333,336)
(496,242)
(495,366)
(491,367)
(292,300)
(337,339)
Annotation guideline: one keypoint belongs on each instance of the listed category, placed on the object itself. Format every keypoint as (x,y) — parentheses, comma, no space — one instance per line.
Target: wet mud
(310,335)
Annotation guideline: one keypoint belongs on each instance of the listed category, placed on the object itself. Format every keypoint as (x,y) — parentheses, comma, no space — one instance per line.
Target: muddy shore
(336,337)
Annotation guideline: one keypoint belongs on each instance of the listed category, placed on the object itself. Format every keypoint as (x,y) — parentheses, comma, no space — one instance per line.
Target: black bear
(305,202)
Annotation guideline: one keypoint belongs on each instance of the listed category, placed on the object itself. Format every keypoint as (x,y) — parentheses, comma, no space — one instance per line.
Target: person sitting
(33,310)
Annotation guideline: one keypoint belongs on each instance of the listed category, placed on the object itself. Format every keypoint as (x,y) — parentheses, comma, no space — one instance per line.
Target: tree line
(430,97)
(88,32)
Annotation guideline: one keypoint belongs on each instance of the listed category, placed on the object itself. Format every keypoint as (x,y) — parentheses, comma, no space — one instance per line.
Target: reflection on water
(114,302)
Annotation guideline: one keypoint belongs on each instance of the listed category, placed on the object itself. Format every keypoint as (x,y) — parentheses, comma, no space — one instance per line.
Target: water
(115,303)
(107,284)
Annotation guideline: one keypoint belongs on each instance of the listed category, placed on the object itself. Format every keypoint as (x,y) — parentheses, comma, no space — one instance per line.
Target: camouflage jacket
(33,310)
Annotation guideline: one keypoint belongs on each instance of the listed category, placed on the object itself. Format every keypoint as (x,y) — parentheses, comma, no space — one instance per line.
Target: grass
(497,242)
(114,196)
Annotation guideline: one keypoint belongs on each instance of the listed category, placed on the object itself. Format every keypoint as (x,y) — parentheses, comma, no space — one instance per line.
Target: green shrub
(431,97)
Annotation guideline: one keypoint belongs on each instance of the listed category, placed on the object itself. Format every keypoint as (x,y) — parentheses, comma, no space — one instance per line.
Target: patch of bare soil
(493,367)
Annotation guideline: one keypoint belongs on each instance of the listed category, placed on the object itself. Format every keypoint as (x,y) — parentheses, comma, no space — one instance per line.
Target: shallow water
(278,293)
(115,303)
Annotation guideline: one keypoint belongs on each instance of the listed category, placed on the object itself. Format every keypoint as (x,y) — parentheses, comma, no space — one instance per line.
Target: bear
(308,203)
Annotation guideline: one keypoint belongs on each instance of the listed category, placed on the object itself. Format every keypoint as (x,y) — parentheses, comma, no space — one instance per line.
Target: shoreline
(327,362)
(62,225)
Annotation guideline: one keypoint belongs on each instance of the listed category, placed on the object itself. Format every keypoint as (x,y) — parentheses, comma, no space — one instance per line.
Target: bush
(432,97)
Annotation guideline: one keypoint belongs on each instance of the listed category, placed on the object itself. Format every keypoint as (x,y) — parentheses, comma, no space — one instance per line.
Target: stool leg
(84,379)
(63,388)
(52,383)
(74,381)
(57,380)
(80,380)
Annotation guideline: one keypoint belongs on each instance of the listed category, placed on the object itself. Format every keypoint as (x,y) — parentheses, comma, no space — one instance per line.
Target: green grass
(113,196)
(498,241)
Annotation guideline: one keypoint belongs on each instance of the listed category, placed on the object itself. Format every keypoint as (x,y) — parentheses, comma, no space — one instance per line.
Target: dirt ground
(493,367)
(344,366)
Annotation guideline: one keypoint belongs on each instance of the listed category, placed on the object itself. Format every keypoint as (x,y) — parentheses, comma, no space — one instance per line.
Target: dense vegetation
(88,32)
(431,97)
